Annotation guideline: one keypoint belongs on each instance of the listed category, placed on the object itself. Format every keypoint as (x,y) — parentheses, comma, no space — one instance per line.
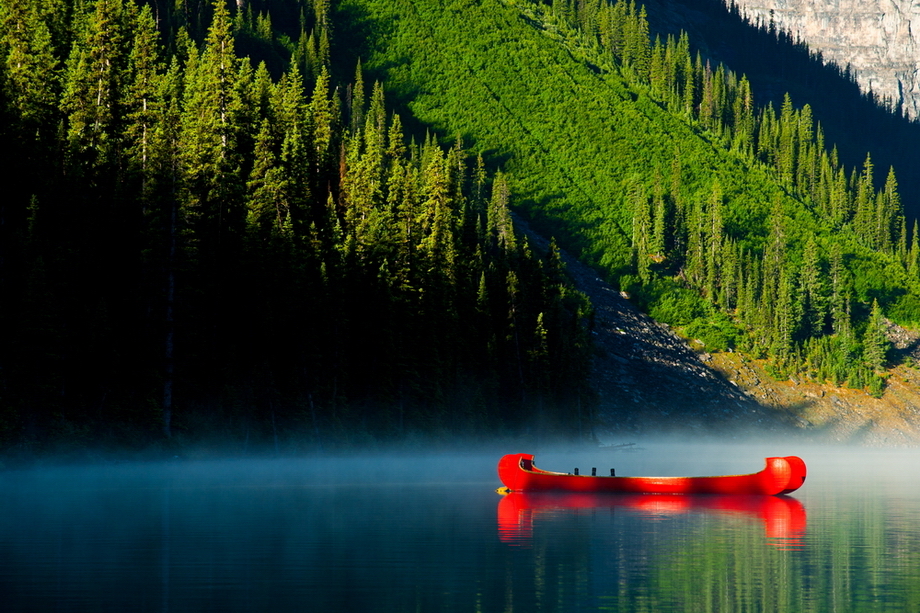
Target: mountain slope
(648,379)
(776,63)
(487,72)
(739,224)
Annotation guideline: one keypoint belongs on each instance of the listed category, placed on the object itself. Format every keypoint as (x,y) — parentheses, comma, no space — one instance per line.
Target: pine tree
(95,83)
(913,257)
(715,240)
(31,69)
(295,153)
(786,159)
(840,292)
(730,276)
(744,117)
(787,314)
(875,341)
(220,69)
(357,100)
(210,132)
(322,114)
(658,243)
(865,218)
(641,231)
(500,229)
(776,247)
(812,291)
(890,217)
(266,211)
(438,241)
(142,97)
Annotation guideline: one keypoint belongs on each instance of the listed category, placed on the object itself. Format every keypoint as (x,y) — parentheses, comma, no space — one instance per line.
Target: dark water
(431,534)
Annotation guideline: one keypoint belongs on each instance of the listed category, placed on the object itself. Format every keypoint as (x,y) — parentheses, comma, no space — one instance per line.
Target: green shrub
(672,304)
(905,310)
(717,332)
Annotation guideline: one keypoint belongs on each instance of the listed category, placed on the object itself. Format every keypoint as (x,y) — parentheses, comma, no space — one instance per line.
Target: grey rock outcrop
(878,39)
(650,381)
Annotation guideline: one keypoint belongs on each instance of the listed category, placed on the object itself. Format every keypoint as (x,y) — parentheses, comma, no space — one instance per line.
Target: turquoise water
(429,533)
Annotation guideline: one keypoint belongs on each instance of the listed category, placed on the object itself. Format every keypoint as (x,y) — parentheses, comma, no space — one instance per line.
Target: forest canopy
(291,219)
(732,219)
(207,231)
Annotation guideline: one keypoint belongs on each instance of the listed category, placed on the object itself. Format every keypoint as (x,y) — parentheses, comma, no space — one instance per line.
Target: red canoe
(780,476)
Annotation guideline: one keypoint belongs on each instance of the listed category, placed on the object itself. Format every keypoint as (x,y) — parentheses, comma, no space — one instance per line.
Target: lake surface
(417,533)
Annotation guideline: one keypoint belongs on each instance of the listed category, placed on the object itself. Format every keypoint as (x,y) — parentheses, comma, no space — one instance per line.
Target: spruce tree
(95,82)
(145,67)
(875,341)
(31,69)
(812,291)
(913,257)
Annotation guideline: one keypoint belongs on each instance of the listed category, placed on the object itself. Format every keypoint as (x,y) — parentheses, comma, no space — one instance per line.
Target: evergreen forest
(733,219)
(207,231)
(289,221)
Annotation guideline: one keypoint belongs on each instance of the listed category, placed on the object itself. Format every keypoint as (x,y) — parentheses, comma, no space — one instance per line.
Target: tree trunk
(169,360)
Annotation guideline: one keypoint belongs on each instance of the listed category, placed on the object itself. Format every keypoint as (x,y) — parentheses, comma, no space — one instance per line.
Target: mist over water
(397,532)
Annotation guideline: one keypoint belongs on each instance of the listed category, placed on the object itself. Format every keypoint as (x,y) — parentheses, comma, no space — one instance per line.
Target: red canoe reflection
(783,517)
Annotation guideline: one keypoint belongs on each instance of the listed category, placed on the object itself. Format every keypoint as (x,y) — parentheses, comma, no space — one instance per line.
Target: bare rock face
(878,39)
(650,381)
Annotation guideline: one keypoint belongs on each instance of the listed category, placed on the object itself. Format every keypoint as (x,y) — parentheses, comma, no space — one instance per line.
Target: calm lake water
(416,533)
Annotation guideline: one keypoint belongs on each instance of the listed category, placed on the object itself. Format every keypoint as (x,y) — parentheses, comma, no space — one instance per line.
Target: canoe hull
(781,475)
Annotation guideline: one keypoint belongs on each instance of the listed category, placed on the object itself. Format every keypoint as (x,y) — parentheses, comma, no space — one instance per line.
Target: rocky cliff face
(879,39)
